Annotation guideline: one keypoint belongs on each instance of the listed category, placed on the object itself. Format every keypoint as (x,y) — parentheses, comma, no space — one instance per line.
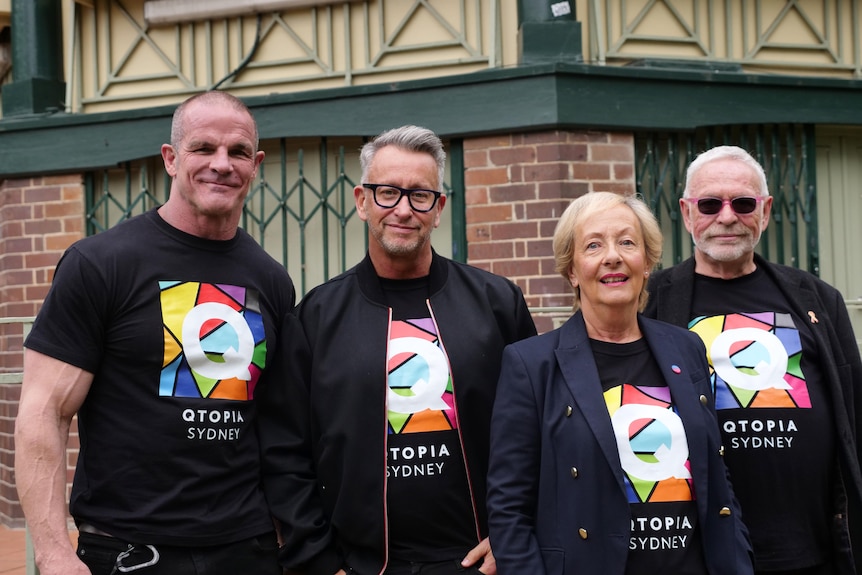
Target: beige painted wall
(116,60)
(839,185)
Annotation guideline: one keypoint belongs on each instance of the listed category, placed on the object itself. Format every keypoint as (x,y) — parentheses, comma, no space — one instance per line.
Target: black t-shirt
(653,448)
(430,512)
(176,331)
(774,415)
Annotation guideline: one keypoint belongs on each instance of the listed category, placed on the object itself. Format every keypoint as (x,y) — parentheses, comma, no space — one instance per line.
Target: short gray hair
(408,138)
(725,153)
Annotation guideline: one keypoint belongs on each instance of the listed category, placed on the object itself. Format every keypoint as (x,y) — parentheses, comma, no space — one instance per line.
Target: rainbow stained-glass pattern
(652,444)
(755,360)
(420,396)
(215,341)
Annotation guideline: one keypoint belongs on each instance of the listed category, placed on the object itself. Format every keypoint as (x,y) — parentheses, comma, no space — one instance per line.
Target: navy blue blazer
(556,496)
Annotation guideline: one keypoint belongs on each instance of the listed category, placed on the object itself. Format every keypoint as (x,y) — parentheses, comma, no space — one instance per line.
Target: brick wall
(518,186)
(39,219)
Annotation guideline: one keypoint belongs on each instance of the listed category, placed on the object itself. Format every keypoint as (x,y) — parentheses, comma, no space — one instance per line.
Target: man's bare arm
(51,393)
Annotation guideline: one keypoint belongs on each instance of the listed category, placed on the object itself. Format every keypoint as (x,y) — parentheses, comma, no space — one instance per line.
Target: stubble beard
(726,252)
(400,248)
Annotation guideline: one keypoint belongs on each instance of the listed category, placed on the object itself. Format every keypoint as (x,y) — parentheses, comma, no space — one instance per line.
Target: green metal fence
(300,208)
(787,154)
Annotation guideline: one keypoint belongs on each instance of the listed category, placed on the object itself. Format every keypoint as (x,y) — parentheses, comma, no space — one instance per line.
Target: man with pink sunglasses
(785,370)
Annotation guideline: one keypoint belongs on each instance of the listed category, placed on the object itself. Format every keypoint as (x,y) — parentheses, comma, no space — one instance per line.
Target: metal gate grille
(300,208)
(787,154)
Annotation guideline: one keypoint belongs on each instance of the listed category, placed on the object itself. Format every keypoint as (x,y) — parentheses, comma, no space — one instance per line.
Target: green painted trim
(458,201)
(810,195)
(37,59)
(524,98)
(540,42)
(31,96)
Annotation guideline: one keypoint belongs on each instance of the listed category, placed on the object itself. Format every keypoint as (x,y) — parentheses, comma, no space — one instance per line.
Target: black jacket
(325,432)
(557,498)
(670,300)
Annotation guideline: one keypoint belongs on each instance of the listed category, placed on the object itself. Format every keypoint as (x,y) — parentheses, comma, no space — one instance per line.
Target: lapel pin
(813,317)
(675,368)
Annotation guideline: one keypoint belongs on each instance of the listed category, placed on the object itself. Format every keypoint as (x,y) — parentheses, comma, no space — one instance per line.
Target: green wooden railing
(758,35)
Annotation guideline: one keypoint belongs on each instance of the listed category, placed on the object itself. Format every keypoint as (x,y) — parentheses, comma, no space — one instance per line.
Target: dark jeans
(255,556)
(451,567)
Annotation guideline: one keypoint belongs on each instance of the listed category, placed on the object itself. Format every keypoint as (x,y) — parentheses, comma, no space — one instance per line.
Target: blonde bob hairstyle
(588,205)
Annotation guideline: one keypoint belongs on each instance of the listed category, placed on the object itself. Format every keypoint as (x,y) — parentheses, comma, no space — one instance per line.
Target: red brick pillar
(39,218)
(517,186)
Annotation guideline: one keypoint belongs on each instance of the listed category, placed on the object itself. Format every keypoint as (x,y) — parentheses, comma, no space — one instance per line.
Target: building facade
(538,101)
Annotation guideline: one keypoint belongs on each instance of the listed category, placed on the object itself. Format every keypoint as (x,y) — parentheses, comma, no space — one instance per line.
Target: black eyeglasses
(387,196)
(740,205)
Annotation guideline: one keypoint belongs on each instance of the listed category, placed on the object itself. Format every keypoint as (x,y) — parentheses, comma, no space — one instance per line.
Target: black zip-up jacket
(324,428)
(671,293)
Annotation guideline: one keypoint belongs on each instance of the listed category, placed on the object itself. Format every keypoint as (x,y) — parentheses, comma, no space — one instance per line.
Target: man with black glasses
(376,451)
(786,372)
